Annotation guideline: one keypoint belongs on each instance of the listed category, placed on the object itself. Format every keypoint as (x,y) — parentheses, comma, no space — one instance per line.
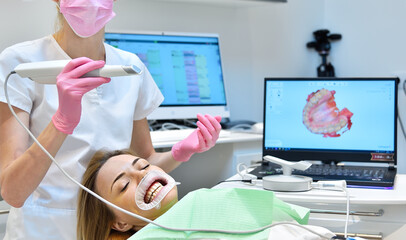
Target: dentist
(75,118)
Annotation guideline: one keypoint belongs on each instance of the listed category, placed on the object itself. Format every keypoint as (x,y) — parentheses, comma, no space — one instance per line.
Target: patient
(135,185)
(115,176)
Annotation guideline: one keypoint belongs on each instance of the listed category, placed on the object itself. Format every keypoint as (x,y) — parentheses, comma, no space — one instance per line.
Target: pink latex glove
(200,140)
(71,89)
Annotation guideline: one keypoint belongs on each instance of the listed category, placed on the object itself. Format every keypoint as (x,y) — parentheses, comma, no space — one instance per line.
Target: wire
(335,187)
(171,126)
(400,118)
(246,177)
(166,125)
(190,122)
(401,125)
(128,212)
(404,86)
(241,126)
(347,214)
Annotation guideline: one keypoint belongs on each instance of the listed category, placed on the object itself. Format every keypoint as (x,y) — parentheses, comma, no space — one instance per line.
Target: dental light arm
(46,72)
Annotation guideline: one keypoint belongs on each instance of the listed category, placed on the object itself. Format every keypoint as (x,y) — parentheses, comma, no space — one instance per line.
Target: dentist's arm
(22,167)
(202,139)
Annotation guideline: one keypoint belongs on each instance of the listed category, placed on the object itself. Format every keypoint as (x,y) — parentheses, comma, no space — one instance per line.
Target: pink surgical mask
(87,17)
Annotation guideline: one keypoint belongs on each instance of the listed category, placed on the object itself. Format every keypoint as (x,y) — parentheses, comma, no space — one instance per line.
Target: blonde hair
(58,22)
(95,219)
(59,19)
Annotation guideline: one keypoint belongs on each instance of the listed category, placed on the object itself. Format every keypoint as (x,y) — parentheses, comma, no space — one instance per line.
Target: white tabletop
(230,137)
(394,196)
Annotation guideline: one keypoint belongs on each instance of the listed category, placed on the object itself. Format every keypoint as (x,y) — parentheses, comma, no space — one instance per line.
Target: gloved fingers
(212,125)
(206,122)
(74,63)
(216,123)
(207,136)
(80,70)
(218,118)
(202,142)
(87,84)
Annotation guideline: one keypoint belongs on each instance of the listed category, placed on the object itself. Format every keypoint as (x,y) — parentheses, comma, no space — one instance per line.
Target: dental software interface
(353,115)
(187,69)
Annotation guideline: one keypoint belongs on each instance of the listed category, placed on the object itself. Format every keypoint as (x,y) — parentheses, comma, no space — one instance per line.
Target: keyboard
(354,175)
(178,134)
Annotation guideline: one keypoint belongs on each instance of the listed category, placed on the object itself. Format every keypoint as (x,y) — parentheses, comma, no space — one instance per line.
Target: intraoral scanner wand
(46,72)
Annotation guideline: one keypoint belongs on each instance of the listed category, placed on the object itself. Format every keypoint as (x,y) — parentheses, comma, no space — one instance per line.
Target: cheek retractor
(161,184)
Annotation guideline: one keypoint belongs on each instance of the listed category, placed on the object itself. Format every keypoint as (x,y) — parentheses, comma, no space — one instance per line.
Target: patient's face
(117,182)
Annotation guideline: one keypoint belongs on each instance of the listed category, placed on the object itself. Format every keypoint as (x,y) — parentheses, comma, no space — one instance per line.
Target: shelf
(226,3)
(230,137)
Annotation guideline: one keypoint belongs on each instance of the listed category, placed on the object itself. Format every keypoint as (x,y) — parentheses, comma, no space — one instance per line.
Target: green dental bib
(225,209)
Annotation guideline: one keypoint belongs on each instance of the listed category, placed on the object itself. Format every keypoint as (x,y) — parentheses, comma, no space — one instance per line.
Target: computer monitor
(186,67)
(331,119)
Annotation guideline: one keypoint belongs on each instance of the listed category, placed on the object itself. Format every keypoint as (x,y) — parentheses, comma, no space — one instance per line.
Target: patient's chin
(169,200)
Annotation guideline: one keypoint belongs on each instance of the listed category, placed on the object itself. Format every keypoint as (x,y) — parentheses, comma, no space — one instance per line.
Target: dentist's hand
(200,140)
(71,89)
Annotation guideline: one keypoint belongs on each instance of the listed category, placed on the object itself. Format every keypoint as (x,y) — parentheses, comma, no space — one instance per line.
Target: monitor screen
(336,119)
(186,68)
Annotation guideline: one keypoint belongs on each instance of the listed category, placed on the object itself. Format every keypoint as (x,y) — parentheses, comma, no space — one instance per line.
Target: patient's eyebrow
(135,161)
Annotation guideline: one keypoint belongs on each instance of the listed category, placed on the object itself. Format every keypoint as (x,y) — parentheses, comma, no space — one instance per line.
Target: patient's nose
(137,174)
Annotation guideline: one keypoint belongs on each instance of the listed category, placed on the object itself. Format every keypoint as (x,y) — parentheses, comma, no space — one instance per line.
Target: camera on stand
(322,45)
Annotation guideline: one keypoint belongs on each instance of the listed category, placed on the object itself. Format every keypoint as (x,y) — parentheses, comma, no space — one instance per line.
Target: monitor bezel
(169,112)
(329,156)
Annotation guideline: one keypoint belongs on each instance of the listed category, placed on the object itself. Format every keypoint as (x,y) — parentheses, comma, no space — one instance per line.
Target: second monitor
(186,67)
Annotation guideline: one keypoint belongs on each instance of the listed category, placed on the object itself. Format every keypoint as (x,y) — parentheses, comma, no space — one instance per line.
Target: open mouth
(153,190)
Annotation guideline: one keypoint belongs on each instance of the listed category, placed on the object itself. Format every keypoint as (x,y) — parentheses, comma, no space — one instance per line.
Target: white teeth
(152,192)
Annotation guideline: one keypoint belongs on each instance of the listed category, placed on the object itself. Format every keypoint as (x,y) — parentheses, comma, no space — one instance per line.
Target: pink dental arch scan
(322,116)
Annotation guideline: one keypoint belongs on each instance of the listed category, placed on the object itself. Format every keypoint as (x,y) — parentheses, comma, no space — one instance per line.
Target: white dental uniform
(106,122)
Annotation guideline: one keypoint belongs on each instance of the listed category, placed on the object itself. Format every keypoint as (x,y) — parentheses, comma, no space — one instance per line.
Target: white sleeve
(149,96)
(20,90)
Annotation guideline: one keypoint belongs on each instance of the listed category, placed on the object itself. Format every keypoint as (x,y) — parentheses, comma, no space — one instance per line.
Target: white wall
(22,20)
(373,44)
(278,35)
(258,40)
(373,36)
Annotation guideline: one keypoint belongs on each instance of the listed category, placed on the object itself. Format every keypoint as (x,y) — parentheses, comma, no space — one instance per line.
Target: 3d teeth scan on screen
(321,115)
(333,122)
